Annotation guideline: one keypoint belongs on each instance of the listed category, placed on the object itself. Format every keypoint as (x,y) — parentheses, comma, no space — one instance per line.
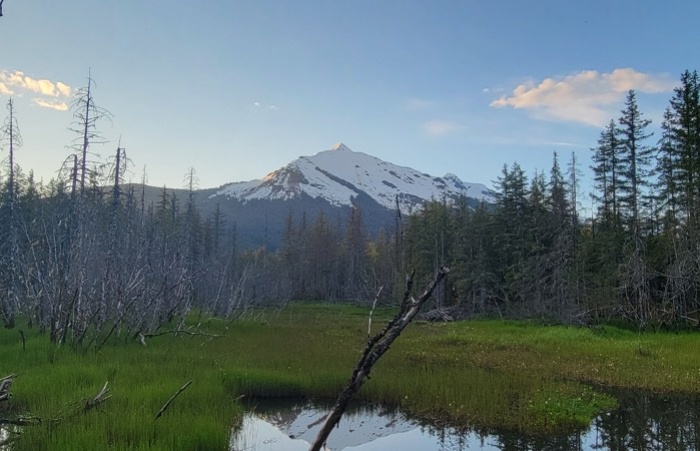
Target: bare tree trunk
(376,347)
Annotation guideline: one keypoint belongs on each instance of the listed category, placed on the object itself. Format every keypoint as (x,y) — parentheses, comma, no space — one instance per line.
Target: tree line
(635,259)
(88,258)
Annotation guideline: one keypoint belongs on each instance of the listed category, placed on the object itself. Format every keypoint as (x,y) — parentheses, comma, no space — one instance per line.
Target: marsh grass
(483,374)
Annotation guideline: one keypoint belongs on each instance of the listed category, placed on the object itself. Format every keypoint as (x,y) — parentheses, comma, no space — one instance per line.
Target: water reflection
(5,438)
(644,421)
(650,422)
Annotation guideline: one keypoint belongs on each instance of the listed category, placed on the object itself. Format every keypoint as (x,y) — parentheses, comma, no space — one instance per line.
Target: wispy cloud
(561,144)
(439,127)
(587,97)
(270,107)
(53,104)
(46,93)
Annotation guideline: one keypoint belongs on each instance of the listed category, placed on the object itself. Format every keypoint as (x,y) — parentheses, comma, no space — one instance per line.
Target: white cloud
(256,104)
(52,104)
(438,127)
(44,87)
(49,94)
(274,107)
(588,97)
(63,89)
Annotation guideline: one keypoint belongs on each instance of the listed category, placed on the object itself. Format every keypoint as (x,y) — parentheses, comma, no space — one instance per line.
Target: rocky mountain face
(333,182)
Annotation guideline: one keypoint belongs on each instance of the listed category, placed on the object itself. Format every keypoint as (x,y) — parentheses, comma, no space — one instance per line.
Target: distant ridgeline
(330,183)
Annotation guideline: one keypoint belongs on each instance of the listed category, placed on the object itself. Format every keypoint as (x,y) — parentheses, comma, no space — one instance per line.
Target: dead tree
(86,115)
(375,348)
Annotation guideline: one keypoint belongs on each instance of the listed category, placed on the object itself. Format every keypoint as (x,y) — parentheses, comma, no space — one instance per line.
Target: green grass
(500,374)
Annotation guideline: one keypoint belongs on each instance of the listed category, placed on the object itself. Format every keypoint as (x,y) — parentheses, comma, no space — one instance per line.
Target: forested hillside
(87,258)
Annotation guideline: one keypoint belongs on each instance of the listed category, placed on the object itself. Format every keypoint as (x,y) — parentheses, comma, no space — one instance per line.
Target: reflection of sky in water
(4,435)
(363,432)
(643,421)
(295,427)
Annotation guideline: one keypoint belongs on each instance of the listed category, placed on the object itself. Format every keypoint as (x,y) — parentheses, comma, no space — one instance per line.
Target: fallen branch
(5,384)
(142,337)
(375,348)
(172,398)
(81,406)
(98,399)
(20,421)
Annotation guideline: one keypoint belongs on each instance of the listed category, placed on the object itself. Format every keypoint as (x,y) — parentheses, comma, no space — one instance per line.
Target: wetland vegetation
(517,376)
(99,283)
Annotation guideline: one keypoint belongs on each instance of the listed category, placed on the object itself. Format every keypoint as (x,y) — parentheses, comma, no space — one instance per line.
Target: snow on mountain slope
(339,174)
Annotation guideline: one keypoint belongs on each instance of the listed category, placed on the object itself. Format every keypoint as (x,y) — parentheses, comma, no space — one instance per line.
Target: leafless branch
(375,348)
(5,384)
(172,398)
(98,399)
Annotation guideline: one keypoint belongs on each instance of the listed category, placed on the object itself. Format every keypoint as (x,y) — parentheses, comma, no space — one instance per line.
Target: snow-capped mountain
(339,176)
(294,426)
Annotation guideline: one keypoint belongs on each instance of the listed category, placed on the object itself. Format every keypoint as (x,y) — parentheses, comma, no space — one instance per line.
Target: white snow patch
(339,174)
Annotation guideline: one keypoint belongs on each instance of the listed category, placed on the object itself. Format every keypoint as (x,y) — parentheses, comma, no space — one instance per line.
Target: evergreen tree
(679,149)
(635,159)
(606,175)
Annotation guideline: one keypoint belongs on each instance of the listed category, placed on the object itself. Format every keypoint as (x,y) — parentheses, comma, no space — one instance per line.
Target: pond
(643,421)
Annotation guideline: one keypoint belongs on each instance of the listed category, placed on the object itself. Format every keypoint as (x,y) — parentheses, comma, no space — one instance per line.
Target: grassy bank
(482,373)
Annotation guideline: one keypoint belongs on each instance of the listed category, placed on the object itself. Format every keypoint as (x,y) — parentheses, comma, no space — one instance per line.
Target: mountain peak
(339,147)
(340,176)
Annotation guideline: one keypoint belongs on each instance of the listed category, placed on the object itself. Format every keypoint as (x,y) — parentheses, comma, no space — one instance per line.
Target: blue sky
(239,88)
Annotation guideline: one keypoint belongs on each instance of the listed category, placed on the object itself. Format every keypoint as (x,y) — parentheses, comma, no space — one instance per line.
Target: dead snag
(375,348)
(172,398)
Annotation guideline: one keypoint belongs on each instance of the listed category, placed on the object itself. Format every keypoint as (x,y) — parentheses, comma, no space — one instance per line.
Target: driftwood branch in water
(172,398)
(375,348)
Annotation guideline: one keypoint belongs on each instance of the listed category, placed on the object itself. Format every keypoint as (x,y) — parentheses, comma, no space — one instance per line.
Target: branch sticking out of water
(375,348)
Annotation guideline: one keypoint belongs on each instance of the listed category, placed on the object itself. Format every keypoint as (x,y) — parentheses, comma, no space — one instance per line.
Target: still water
(642,422)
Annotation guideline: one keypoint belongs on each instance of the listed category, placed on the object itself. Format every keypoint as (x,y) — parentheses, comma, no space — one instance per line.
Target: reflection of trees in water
(647,422)
(642,422)
(515,442)
(451,439)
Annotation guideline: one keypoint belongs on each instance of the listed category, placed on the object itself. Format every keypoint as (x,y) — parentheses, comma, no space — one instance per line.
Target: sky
(239,88)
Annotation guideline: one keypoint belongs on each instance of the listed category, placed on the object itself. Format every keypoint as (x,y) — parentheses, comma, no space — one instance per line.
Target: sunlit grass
(516,375)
